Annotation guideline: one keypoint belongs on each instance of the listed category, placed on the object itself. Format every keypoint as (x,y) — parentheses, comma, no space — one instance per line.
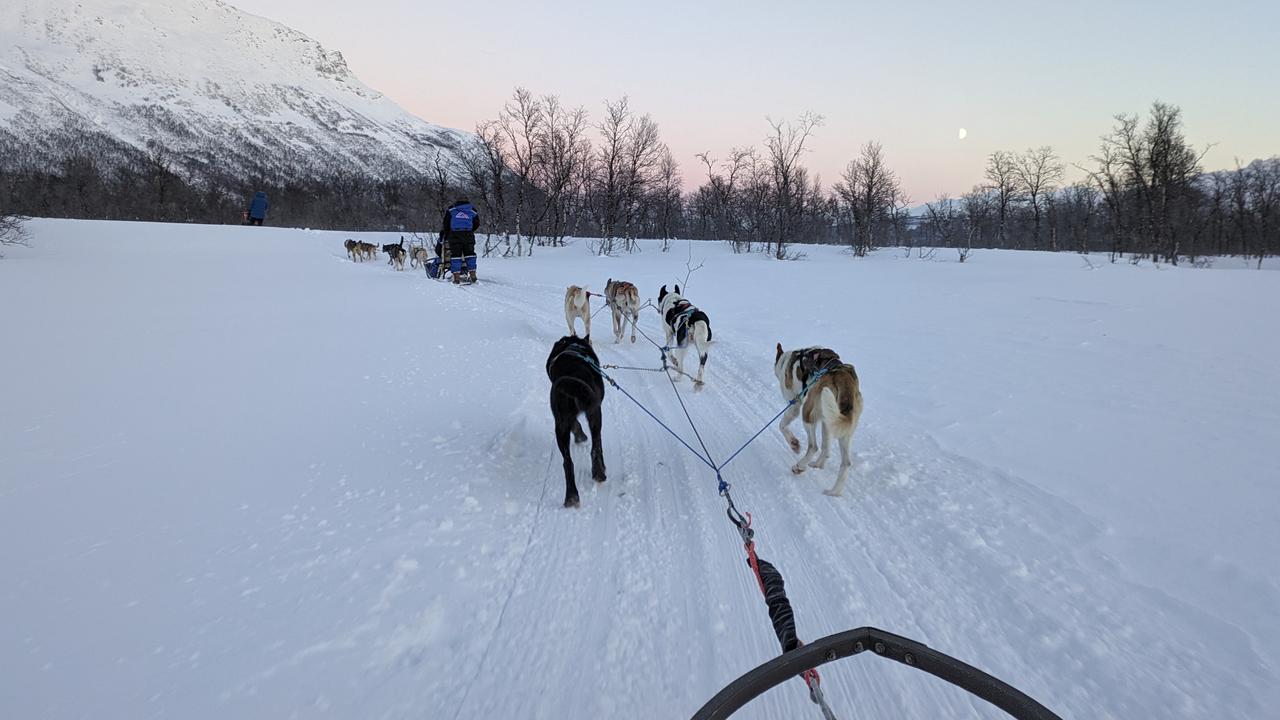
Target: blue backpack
(462,218)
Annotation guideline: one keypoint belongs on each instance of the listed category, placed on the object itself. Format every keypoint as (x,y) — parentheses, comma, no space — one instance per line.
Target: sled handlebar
(887,645)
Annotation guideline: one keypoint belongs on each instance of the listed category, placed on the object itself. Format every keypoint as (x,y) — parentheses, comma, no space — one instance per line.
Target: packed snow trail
(254,479)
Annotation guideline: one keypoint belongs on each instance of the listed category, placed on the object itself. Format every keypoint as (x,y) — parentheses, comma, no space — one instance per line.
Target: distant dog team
(416,254)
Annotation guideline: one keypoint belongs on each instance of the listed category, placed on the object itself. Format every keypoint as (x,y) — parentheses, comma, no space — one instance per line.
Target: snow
(242,476)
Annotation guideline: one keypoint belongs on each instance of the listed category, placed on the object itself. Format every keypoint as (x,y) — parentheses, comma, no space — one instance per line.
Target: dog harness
(680,324)
(815,358)
(573,352)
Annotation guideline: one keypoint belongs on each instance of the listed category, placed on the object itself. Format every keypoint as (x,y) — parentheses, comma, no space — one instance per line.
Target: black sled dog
(576,389)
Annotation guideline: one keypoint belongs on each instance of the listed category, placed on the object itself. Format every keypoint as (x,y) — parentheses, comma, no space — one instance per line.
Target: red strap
(755,565)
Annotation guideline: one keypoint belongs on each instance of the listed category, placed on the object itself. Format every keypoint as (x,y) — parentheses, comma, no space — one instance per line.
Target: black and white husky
(684,323)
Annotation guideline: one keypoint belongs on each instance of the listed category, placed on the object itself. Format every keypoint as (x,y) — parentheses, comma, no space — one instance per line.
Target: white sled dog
(684,322)
(833,401)
(623,299)
(577,304)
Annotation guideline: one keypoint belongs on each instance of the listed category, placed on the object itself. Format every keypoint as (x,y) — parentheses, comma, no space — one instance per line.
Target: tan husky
(577,304)
(350,245)
(623,299)
(833,401)
(418,256)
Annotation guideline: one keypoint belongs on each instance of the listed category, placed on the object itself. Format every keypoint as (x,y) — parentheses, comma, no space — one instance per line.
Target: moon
(963,133)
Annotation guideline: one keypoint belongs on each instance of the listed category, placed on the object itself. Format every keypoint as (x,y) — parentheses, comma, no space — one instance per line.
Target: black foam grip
(775,596)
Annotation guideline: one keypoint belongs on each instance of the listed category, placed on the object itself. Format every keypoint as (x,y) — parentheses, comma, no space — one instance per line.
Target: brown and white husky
(624,300)
(832,401)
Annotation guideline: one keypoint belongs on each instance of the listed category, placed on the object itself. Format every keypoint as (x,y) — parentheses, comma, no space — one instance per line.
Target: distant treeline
(88,174)
(541,172)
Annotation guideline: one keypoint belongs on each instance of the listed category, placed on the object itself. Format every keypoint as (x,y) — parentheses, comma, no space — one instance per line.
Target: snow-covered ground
(241,476)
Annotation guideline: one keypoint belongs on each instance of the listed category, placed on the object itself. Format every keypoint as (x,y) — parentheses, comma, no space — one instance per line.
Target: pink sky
(908,75)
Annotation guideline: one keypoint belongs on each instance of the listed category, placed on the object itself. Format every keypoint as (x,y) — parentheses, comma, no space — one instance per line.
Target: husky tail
(841,400)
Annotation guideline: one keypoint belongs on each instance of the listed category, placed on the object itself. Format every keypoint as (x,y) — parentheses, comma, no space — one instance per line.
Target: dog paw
(818,464)
(579,439)
(833,492)
(598,477)
(795,445)
(572,502)
(797,469)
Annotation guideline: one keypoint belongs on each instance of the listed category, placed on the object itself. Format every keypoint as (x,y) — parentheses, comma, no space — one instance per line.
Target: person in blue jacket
(258,208)
(461,221)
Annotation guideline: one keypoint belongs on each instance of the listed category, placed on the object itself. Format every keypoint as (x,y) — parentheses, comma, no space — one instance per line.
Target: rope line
(803,391)
(767,576)
(627,367)
(594,365)
(691,423)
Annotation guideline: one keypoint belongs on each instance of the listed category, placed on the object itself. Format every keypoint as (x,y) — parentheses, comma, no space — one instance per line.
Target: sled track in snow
(524,554)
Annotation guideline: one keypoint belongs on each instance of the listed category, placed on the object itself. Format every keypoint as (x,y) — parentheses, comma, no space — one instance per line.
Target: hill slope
(207,83)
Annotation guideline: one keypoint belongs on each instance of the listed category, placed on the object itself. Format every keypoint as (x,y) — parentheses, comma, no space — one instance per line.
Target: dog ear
(779,353)
(677,289)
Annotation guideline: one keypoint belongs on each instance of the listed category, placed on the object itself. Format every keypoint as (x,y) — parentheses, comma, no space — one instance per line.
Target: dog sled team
(825,390)
(455,248)
(821,389)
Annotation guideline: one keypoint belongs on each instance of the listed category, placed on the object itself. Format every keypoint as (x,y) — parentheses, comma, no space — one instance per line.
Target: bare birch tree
(12,231)
(870,192)
(1002,174)
(1038,172)
(521,122)
(668,198)
(785,146)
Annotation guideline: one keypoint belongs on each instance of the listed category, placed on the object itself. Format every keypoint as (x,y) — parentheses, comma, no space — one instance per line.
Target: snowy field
(243,477)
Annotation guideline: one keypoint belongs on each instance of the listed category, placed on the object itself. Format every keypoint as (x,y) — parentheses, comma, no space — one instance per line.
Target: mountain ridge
(203,82)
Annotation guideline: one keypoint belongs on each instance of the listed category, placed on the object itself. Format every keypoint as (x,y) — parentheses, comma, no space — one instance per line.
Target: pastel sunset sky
(907,74)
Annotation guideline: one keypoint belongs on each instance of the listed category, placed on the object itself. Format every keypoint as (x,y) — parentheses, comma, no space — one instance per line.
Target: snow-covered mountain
(202,80)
